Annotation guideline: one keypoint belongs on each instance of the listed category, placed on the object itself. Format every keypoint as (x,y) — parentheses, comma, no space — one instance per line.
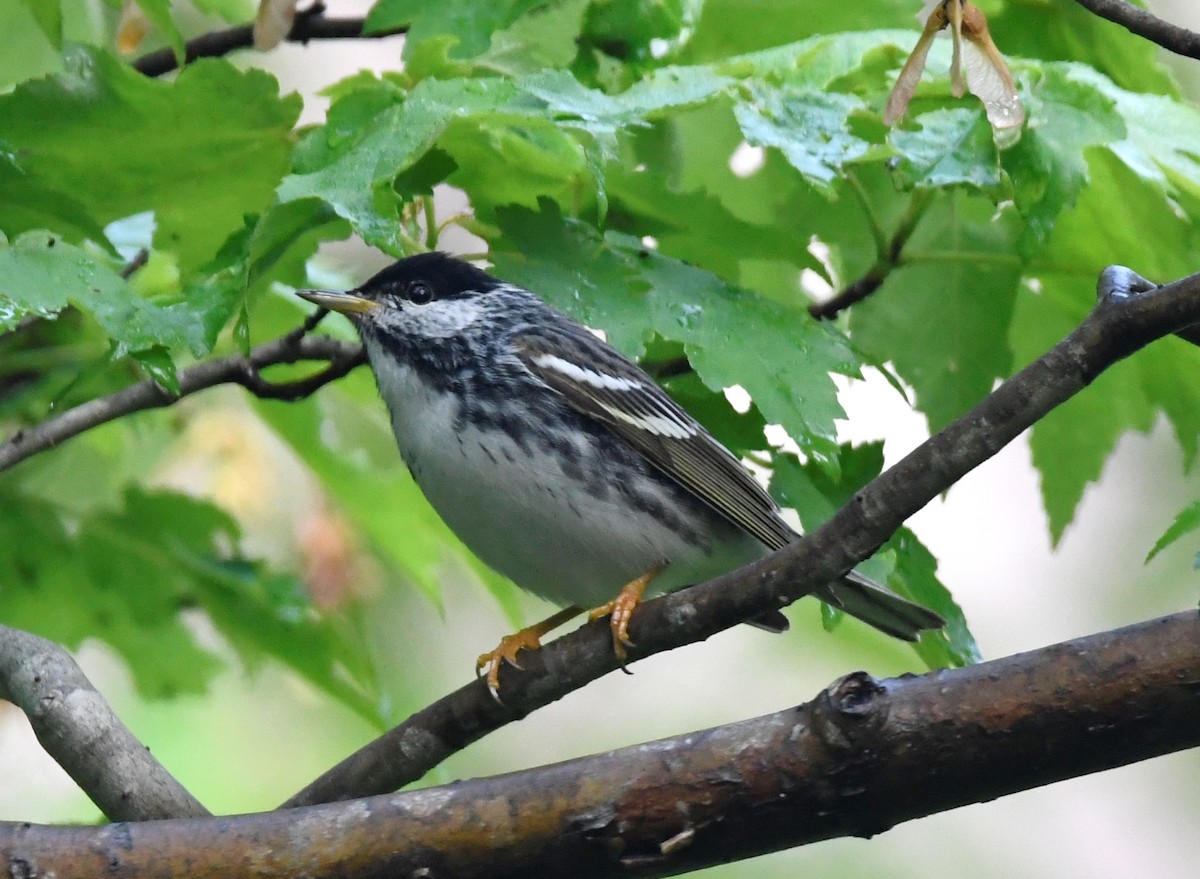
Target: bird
(558,461)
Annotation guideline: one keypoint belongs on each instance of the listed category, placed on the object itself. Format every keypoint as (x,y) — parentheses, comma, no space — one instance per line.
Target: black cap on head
(446,277)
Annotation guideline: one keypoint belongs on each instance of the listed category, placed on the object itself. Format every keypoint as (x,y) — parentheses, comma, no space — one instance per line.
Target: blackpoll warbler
(560,463)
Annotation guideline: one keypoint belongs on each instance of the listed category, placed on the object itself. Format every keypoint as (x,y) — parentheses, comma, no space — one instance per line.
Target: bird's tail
(879,607)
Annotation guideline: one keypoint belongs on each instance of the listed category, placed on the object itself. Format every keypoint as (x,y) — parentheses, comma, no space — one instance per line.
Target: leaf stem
(889,254)
(860,192)
(433,232)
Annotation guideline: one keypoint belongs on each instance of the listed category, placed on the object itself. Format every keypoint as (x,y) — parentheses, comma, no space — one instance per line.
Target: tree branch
(1125,319)
(863,756)
(887,259)
(853,292)
(1145,24)
(148,394)
(310,24)
(80,731)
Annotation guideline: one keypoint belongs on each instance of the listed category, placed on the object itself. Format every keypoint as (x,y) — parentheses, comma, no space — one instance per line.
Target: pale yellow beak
(344,303)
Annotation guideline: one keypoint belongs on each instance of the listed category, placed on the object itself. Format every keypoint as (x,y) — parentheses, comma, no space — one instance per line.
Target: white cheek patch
(439,319)
(586,376)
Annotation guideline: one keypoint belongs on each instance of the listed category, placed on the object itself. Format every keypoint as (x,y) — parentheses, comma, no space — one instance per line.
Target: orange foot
(529,638)
(620,611)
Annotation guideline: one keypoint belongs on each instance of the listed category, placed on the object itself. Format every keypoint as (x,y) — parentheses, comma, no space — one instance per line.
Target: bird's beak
(344,303)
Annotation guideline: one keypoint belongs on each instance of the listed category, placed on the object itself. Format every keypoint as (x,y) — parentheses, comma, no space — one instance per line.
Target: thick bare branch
(149,394)
(860,758)
(310,25)
(1119,325)
(79,730)
(1146,24)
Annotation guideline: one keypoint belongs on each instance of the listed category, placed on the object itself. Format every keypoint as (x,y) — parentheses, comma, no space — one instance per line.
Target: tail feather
(880,607)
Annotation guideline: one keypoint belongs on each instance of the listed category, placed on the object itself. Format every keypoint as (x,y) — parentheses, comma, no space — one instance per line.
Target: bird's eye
(420,292)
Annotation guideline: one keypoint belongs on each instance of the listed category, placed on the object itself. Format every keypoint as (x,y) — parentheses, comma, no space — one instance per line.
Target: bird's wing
(600,383)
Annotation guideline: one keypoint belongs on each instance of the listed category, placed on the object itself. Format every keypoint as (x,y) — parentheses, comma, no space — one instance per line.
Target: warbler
(558,461)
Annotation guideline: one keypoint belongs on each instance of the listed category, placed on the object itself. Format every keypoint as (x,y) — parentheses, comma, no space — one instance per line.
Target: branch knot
(849,709)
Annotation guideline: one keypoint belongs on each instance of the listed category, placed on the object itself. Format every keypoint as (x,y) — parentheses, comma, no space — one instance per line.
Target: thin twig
(1119,325)
(235,369)
(310,25)
(79,730)
(852,293)
(139,259)
(1146,24)
(888,257)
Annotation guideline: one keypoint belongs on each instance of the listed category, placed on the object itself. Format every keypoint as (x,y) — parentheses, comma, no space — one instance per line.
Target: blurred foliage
(685,175)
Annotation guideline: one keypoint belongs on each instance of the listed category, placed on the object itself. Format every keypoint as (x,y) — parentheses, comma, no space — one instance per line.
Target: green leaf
(98,591)
(512,141)
(640,32)
(730,27)
(943,318)
(911,570)
(953,146)
(811,128)
(159,366)
(159,14)
(29,203)
(545,38)
(569,265)
(40,275)
(172,542)
(374,133)
(28,51)
(786,369)
(216,296)
(470,22)
(233,11)
(270,615)
(1160,141)
(127,576)
(685,224)
(423,175)
(1161,378)
(690,154)
(914,575)
(500,164)
(286,236)
(1186,522)
(816,494)
(1069,32)
(819,62)
(1068,115)
(200,152)
(49,17)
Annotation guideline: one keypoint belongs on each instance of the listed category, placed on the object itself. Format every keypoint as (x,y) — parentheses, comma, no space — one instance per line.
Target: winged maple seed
(977,65)
(132,27)
(273,23)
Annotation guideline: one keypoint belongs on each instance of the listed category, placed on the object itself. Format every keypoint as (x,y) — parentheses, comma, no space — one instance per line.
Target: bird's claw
(506,651)
(620,612)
